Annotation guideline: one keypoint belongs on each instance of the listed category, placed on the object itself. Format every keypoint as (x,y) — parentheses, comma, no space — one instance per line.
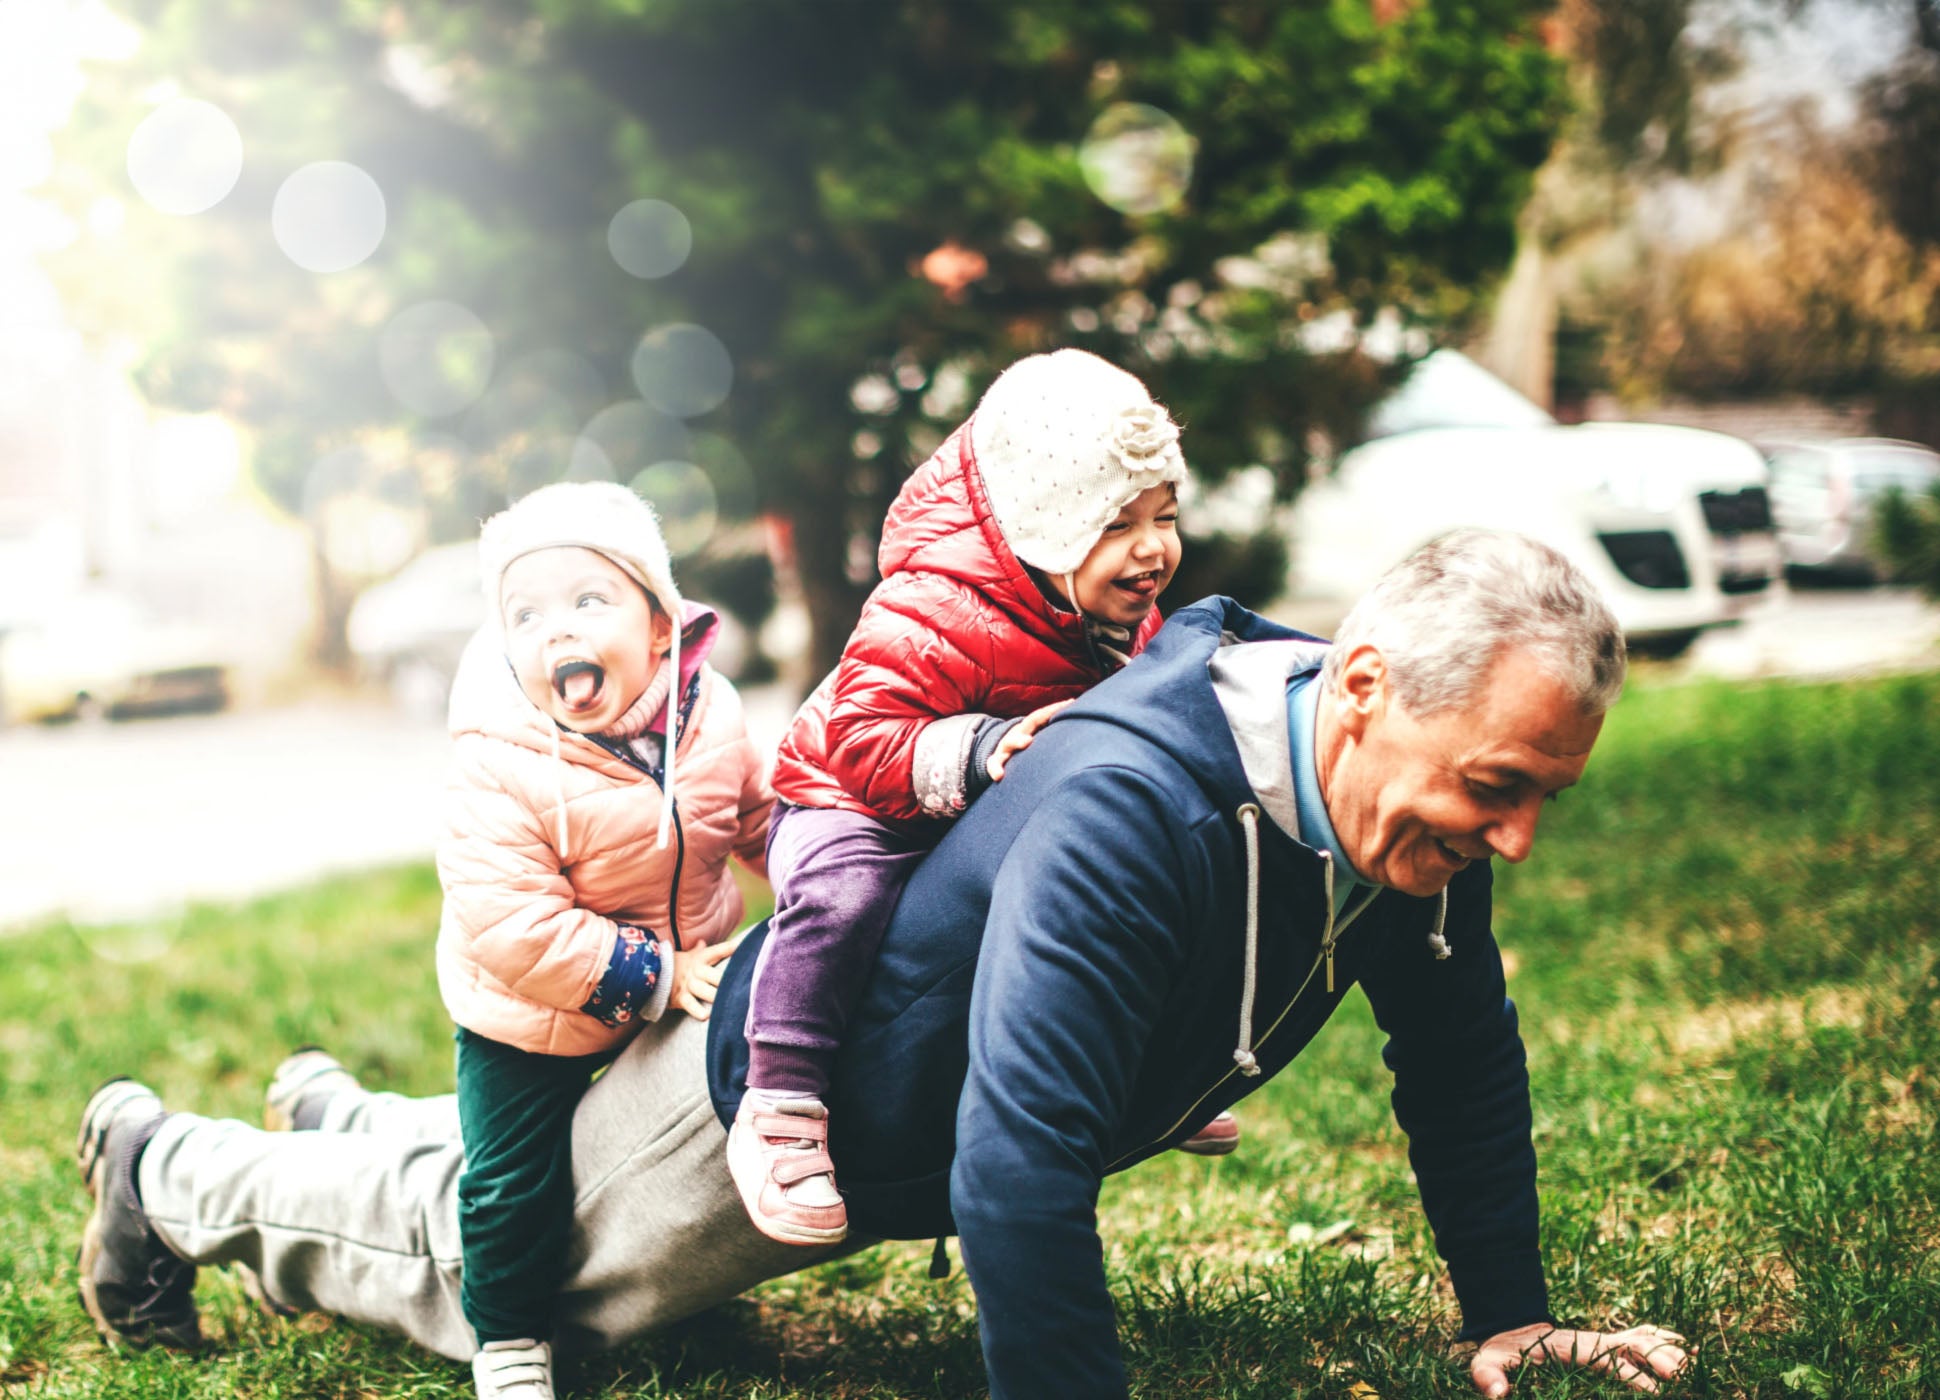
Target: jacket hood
(1231,733)
(941,522)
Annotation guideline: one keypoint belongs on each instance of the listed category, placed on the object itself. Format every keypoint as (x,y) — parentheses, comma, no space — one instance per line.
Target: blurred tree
(1897,142)
(888,202)
(1907,529)
(1824,279)
(1816,293)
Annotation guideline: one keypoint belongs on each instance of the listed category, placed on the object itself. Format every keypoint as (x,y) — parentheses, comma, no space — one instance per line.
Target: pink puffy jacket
(525,937)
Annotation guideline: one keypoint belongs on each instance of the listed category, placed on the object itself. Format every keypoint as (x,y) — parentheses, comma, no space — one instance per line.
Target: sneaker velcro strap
(798,1129)
(800,1166)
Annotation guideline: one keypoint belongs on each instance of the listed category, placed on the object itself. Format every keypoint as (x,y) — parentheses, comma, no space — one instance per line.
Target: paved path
(126,821)
(1823,633)
(113,821)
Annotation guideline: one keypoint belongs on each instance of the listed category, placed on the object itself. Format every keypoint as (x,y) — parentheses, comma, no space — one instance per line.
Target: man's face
(1413,801)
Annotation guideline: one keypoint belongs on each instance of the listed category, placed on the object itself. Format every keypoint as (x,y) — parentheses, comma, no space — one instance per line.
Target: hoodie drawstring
(1249,818)
(1435,939)
(673,735)
(559,791)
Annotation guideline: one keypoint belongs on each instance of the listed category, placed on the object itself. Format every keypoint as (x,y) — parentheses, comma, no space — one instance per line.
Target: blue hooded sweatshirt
(1063,992)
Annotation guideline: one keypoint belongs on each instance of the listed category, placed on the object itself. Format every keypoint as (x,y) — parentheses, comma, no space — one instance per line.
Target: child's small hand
(697,976)
(1019,738)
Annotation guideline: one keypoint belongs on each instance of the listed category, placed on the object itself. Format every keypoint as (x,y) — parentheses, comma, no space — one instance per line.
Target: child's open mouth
(579,684)
(1145,585)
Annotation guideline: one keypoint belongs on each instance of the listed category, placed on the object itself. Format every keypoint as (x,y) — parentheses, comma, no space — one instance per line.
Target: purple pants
(837,877)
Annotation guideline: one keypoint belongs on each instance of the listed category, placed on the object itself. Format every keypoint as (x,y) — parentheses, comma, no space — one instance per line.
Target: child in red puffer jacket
(1021,565)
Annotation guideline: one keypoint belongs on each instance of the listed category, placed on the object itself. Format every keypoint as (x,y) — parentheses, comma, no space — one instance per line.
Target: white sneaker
(307,1073)
(520,1370)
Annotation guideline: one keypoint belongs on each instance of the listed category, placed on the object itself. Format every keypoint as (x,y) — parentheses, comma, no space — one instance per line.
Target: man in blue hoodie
(1150,916)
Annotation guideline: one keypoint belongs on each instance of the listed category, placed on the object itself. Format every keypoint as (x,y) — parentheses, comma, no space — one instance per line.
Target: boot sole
(1215,1148)
(91,1159)
(84,1261)
(88,1156)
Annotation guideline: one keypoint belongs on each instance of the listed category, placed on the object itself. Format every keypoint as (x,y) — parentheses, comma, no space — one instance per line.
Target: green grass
(1726,959)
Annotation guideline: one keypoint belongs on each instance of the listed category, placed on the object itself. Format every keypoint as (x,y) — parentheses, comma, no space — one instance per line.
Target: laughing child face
(581,635)
(1121,579)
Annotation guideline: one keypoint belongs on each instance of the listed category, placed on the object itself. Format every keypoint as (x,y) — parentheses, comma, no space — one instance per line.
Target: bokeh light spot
(328,216)
(436,357)
(587,461)
(519,410)
(683,370)
(185,156)
(1137,159)
(368,511)
(540,462)
(735,493)
(684,499)
(126,929)
(569,374)
(650,238)
(632,436)
(197,460)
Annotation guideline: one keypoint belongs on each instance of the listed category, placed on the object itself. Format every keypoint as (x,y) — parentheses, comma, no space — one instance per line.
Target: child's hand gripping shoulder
(1018,738)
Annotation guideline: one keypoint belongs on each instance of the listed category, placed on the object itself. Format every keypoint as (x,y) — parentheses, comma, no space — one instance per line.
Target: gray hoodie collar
(1249,679)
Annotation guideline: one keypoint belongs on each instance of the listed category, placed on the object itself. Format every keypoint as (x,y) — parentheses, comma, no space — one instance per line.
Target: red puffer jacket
(957,626)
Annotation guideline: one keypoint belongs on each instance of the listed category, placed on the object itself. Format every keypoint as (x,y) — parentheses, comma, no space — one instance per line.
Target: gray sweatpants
(362,1221)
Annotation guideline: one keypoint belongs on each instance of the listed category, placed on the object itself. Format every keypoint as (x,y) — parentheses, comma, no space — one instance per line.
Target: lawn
(1724,951)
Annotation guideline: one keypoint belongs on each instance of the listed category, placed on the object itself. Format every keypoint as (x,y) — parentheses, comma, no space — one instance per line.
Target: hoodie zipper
(1324,958)
(673,896)
(624,752)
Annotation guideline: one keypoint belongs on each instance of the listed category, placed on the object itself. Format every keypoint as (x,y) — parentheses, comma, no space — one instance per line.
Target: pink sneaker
(779,1158)
(1216,1139)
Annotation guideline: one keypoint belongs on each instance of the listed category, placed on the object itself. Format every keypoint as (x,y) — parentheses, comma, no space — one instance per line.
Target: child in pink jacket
(604,777)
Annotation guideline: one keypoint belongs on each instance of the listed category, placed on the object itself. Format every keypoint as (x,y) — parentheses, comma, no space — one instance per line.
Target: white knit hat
(1064,442)
(612,521)
(597,515)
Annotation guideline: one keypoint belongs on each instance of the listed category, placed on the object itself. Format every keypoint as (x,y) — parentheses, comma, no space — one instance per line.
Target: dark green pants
(515,1198)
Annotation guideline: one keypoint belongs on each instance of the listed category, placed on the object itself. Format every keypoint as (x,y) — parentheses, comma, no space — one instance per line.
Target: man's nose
(1515,834)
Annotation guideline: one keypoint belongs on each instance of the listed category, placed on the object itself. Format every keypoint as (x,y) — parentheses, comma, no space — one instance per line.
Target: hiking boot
(301,1086)
(779,1158)
(520,1370)
(1216,1139)
(136,1289)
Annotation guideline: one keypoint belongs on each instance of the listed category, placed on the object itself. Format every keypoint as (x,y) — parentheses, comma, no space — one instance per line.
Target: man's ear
(1362,691)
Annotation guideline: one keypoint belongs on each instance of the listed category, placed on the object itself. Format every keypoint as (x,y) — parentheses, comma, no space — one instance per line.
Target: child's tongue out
(578,683)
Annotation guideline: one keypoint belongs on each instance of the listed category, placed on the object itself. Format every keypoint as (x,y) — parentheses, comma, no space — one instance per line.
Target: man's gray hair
(1442,616)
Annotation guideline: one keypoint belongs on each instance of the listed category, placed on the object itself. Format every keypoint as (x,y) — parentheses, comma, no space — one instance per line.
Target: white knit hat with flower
(1064,442)
(609,520)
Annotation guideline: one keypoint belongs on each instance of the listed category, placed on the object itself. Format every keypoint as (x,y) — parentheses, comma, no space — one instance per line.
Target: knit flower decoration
(1143,437)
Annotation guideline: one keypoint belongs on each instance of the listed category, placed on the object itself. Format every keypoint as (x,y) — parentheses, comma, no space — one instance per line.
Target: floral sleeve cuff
(940,762)
(635,985)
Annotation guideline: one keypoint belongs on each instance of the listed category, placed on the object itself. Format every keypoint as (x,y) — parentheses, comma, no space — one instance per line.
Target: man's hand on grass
(1638,1356)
